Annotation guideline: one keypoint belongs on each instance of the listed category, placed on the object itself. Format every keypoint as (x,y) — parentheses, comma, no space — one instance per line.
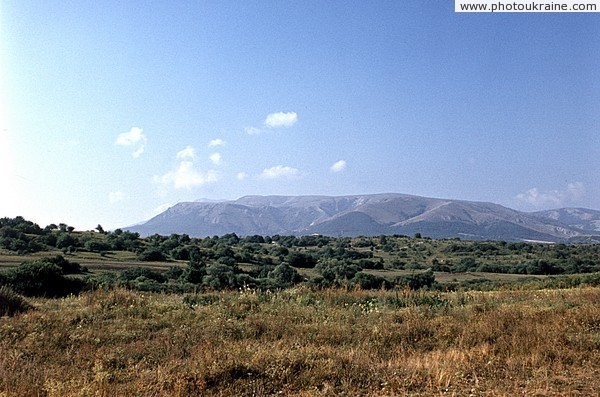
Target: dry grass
(305,343)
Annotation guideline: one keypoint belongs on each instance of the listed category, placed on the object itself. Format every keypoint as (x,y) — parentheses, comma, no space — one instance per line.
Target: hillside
(369,215)
(578,218)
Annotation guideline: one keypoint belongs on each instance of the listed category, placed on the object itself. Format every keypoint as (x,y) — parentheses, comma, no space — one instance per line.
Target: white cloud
(539,199)
(131,137)
(252,130)
(281,119)
(241,176)
(216,142)
(134,137)
(138,152)
(575,190)
(275,120)
(535,197)
(185,176)
(279,171)
(338,166)
(216,158)
(187,153)
(115,197)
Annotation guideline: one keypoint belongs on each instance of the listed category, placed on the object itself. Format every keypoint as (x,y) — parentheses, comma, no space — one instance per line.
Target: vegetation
(303,342)
(12,303)
(297,316)
(179,263)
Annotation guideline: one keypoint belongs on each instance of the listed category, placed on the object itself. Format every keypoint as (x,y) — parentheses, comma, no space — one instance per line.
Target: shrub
(301,260)
(174,273)
(152,255)
(12,303)
(96,246)
(104,281)
(285,275)
(136,272)
(369,281)
(41,278)
(66,266)
(417,280)
(335,271)
(219,276)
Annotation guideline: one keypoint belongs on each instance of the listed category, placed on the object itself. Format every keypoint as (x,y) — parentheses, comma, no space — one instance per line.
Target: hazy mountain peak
(369,214)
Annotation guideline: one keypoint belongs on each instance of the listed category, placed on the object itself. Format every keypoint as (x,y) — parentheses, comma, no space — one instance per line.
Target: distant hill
(371,214)
(577,218)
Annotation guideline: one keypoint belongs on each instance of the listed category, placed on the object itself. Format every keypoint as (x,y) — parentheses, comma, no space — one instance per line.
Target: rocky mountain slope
(371,214)
(578,218)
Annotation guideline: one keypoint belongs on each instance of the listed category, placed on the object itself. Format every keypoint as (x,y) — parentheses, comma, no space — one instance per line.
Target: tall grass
(305,343)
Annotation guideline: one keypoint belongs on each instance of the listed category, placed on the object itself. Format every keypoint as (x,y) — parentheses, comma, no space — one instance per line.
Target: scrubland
(303,342)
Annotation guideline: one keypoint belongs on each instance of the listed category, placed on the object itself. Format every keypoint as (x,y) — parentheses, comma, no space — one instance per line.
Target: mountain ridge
(370,214)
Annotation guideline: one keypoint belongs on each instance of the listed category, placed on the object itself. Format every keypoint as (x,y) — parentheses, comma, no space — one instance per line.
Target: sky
(112,111)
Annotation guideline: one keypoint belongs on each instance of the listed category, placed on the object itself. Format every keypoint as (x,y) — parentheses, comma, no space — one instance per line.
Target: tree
(298,259)
(151,255)
(285,275)
(369,281)
(96,246)
(137,272)
(41,278)
(65,240)
(336,271)
(219,276)
(417,280)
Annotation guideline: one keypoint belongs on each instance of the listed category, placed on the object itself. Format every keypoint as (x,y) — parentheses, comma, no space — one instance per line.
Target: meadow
(114,314)
(303,342)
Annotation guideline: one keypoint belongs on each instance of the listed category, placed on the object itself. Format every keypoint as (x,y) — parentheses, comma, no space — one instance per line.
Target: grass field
(112,261)
(305,343)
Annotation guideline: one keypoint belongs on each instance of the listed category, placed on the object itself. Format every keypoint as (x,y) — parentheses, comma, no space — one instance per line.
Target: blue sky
(114,110)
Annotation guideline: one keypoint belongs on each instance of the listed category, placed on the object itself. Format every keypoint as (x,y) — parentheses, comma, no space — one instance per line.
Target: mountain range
(372,214)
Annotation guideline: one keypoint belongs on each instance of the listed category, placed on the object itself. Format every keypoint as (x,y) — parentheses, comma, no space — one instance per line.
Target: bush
(66,266)
(417,280)
(104,281)
(41,278)
(285,275)
(219,276)
(337,272)
(174,273)
(301,260)
(96,246)
(369,281)
(136,272)
(152,255)
(12,303)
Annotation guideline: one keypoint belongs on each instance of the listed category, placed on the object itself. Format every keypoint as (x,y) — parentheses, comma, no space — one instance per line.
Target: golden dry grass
(305,343)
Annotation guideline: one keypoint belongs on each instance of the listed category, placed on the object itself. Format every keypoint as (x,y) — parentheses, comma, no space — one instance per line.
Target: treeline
(22,237)
(57,276)
(270,262)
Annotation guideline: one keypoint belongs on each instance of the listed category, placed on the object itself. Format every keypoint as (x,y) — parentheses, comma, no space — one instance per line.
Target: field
(301,342)
(294,316)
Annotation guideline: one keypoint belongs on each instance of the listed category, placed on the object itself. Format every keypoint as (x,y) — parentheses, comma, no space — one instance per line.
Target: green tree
(219,276)
(65,240)
(369,281)
(285,275)
(152,254)
(301,260)
(41,278)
